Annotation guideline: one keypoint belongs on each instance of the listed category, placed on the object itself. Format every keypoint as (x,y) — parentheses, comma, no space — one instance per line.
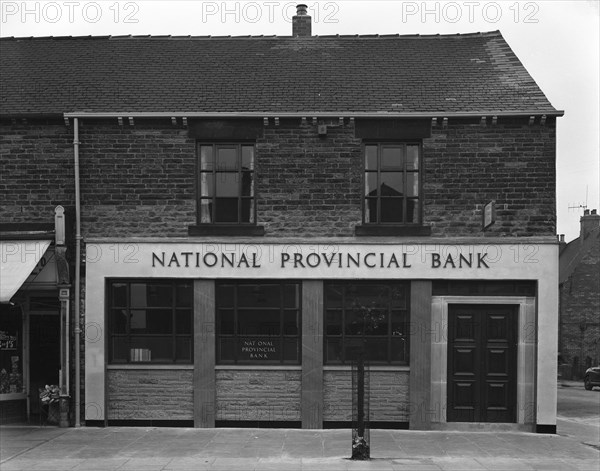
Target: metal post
(361,395)
(360,408)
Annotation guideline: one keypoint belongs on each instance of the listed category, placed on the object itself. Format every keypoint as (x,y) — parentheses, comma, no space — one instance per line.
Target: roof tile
(446,73)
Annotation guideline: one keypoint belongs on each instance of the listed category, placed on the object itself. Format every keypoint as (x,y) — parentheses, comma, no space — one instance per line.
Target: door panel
(497,362)
(496,395)
(464,361)
(482,363)
(465,405)
(465,328)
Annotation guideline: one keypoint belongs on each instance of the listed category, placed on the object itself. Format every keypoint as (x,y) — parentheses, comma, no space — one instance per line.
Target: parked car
(591,378)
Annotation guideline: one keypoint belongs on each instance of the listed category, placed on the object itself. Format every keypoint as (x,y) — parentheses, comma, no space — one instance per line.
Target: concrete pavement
(154,449)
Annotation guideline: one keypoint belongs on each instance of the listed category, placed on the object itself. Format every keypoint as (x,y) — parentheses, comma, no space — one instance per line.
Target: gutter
(31,115)
(308,113)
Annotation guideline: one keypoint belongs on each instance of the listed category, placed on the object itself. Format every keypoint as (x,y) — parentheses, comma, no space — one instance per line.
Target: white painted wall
(506,260)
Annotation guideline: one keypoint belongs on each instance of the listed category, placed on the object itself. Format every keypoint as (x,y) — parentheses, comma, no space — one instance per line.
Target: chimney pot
(301,22)
(589,222)
(562,238)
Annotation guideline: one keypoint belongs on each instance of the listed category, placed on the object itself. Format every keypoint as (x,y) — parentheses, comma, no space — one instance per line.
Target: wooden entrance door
(482,363)
(44,354)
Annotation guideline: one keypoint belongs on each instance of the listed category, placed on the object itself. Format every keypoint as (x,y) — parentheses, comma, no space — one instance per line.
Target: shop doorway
(44,348)
(482,363)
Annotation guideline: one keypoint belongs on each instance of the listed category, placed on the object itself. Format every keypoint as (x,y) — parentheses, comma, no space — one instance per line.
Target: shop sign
(338,260)
(320,261)
(259,349)
(7,341)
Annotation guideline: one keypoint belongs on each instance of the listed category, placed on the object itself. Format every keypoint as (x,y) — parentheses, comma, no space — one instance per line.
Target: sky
(557,41)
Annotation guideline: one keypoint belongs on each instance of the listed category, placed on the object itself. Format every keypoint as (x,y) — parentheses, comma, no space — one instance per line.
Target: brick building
(250,211)
(579,321)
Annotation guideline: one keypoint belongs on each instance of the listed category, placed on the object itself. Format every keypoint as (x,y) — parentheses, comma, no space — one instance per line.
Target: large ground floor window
(150,321)
(368,317)
(11,349)
(258,322)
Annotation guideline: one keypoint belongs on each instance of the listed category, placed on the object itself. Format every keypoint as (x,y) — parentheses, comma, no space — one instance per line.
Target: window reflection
(226,184)
(258,322)
(391,184)
(150,322)
(371,317)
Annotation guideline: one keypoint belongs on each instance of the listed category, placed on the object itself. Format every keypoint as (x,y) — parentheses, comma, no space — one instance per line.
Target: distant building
(579,318)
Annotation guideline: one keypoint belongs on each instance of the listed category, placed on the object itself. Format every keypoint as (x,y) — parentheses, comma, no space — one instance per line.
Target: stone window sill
(226,230)
(383,230)
(149,366)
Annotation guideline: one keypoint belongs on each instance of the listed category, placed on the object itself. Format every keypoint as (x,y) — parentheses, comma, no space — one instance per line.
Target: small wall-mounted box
(489,215)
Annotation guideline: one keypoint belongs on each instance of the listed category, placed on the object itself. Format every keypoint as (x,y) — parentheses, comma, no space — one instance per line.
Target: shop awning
(18,258)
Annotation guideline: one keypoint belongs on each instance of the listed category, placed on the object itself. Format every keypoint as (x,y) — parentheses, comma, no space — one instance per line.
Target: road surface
(579,412)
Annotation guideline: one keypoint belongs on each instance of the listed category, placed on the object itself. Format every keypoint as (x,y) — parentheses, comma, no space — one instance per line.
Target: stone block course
(258,395)
(388,401)
(150,394)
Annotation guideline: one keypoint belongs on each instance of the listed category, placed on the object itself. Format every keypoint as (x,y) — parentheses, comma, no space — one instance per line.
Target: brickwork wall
(150,394)
(580,305)
(37,172)
(140,180)
(137,180)
(252,395)
(309,185)
(388,400)
(511,163)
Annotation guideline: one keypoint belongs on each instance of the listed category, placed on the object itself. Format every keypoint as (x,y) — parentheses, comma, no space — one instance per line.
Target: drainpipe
(77,320)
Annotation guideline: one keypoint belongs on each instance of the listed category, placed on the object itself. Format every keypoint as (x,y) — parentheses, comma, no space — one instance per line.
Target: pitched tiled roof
(572,255)
(372,74)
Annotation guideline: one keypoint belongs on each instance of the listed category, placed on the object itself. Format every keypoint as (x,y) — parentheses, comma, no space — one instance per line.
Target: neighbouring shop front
(243,334)
(30,331)
(34,322)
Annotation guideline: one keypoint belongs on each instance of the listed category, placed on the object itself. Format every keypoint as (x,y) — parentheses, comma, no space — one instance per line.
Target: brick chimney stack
(589,222)
(301,22)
